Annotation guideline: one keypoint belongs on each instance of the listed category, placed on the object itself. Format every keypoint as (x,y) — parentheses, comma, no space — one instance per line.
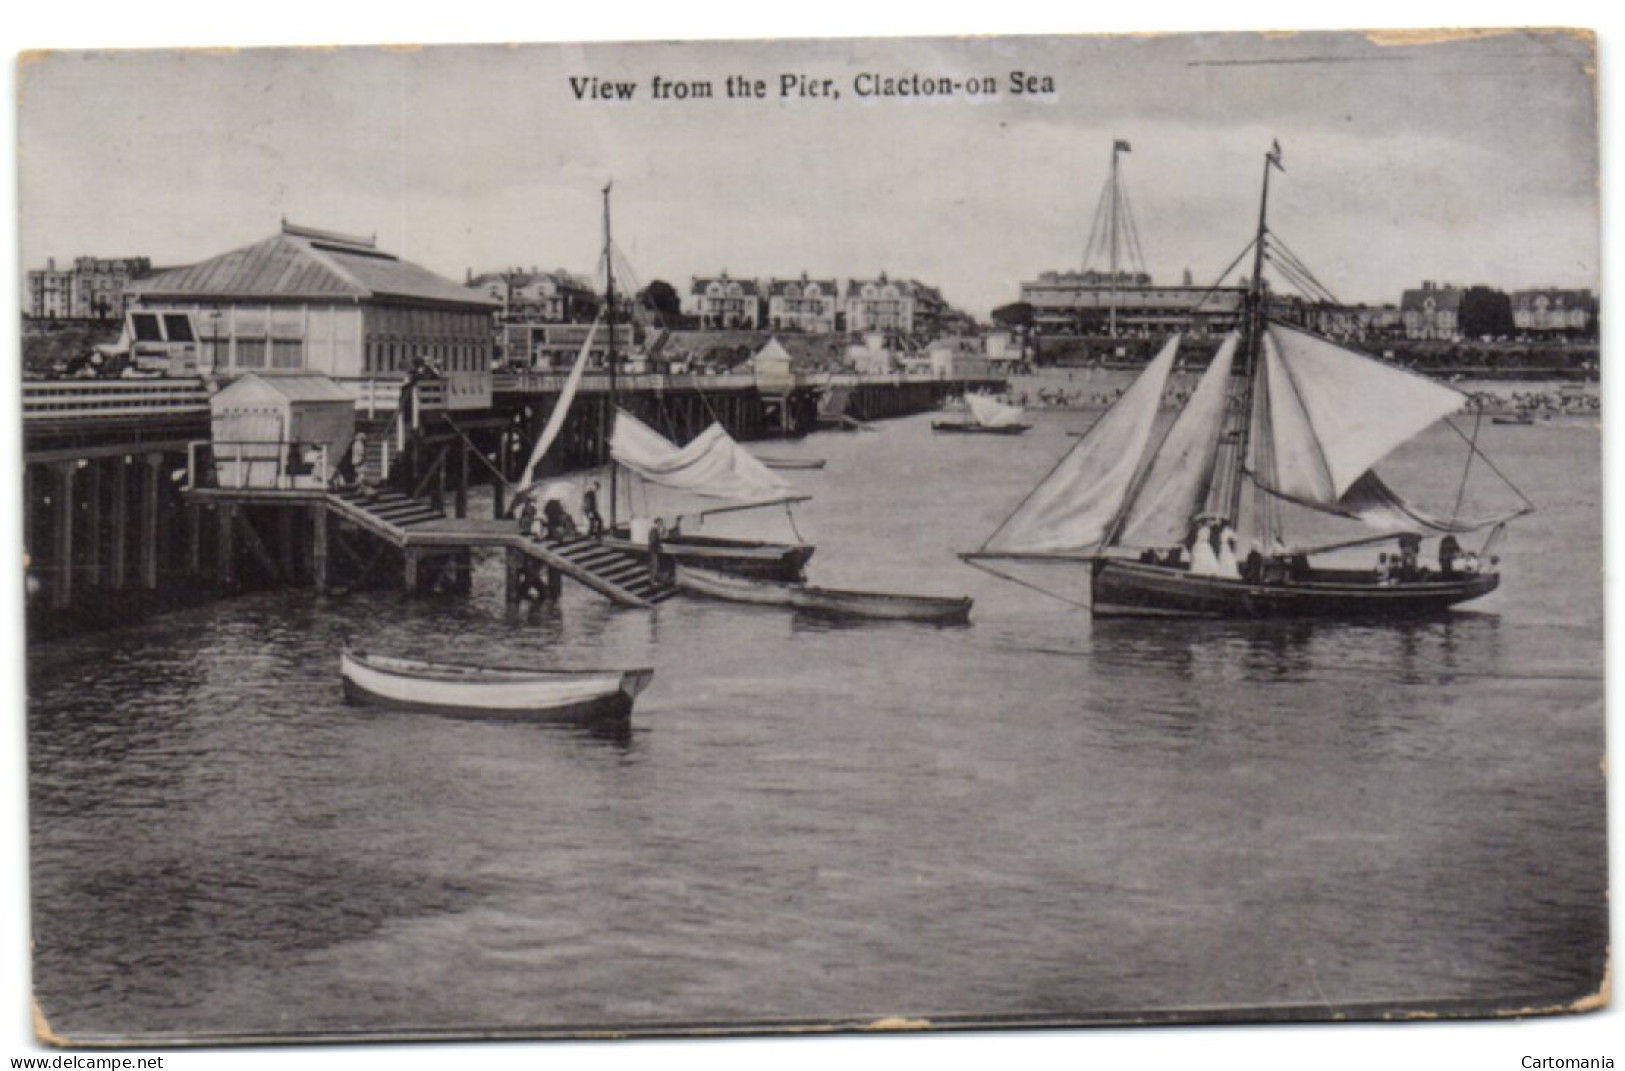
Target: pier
(131,507)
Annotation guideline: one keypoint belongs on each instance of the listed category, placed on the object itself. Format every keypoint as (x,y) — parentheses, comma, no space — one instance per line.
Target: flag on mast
(1121,146)
(1275,155)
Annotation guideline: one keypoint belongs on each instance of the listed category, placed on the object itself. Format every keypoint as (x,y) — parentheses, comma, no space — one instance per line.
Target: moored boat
(743,557)
(793,462)
(872,605)
(504,692)
(988,416)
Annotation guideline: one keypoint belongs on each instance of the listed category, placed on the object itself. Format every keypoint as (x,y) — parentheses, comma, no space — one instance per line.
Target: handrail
(90,399)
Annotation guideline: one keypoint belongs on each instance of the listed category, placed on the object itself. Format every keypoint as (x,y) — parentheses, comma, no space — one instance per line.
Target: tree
(1485,311)
(1016,314)
(661,297)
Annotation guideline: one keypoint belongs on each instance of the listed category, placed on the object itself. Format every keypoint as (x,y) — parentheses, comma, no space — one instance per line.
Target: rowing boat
(970,428)
(497,691)
(874,605)
(793,462)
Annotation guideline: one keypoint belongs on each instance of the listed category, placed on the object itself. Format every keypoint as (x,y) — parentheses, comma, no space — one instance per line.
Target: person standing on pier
(589,509)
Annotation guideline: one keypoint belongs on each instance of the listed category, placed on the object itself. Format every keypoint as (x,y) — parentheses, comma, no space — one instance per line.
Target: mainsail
(991,413)
(1331,414)
(561,409)
(1075,506)
(713,465)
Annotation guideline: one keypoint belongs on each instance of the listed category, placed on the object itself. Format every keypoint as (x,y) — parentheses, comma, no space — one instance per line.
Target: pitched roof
(1445,298)
(313,265)
(293,388)
(829,288)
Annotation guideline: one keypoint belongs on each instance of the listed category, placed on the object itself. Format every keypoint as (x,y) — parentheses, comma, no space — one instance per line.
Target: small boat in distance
(871,605)
(793,462)
(988,417)
(1514,419)
(499,692)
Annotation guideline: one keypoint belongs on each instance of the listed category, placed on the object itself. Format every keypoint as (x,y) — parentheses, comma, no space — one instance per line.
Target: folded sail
(561,409)
(713,465)
(1074,507)
(1176,482)
(1334,413)
(991,413)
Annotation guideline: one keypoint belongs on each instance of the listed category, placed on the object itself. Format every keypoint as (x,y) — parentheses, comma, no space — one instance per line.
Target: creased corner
(42,1028)
(896,1022)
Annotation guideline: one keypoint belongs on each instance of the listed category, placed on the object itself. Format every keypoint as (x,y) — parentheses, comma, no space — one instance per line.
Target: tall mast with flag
(1113,236)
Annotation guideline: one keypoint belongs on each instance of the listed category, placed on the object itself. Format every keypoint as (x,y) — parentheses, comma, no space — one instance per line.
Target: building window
(146,327)
(250,353)
(287,353)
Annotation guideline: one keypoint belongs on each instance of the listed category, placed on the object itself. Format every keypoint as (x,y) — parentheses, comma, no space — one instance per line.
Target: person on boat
(1410,549)
(1384,570)
(1449,554)
(1229,568)
(1252,570)
(527,517)
(589,509)
(1204,559)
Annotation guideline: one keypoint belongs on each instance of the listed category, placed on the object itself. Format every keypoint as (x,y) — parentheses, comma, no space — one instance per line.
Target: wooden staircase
(610,571)
(388,513)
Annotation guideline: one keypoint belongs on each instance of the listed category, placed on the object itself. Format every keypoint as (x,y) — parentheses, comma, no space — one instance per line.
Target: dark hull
(739,557)
(1125,588)
(859,605)
(967,428)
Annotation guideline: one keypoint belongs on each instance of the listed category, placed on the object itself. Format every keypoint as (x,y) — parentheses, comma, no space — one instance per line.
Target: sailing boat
(1297,418)
(989,416)
(713,465)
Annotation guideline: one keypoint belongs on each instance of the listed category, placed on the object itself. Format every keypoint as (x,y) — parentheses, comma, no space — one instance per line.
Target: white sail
(713,465)
(1073,508)
(991,413)
(1177,479)
(561,409)
(1334,413)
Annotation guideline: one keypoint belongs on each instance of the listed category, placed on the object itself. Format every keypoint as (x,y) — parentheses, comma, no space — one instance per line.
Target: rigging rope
(1473,446)
(976,564)
(1461,491)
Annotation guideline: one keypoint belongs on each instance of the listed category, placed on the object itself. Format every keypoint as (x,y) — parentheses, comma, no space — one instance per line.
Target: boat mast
(609,318)
(1252,351)
(1115,224)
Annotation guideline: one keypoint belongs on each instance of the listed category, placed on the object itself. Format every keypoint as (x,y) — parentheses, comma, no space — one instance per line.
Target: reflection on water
(1035,814)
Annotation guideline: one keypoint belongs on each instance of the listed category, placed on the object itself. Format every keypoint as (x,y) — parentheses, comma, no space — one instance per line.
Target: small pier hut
(280,431)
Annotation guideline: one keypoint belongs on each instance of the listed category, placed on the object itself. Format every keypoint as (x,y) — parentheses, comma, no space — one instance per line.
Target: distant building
(1354,321)
(93,289)
(309,301)
(1433,312)
(894,306)
(1092,302)
(539,297)
(807,305)
(721,302)
(1554,312)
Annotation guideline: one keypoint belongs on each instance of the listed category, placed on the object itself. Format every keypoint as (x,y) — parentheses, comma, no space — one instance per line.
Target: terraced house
(721,302)
(811,306)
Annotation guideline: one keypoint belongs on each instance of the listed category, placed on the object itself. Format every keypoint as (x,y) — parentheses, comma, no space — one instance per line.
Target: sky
(1461,161)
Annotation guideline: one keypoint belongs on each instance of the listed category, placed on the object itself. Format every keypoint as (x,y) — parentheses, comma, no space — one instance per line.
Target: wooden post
(414,569)
(226,533)
(555,583)
(461,506)
(318,547)
(285,543)
(93,524)
(62,591)
(150,534)
(465,572)
(194,539)
(120,558)
(515,561)
(496,499)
